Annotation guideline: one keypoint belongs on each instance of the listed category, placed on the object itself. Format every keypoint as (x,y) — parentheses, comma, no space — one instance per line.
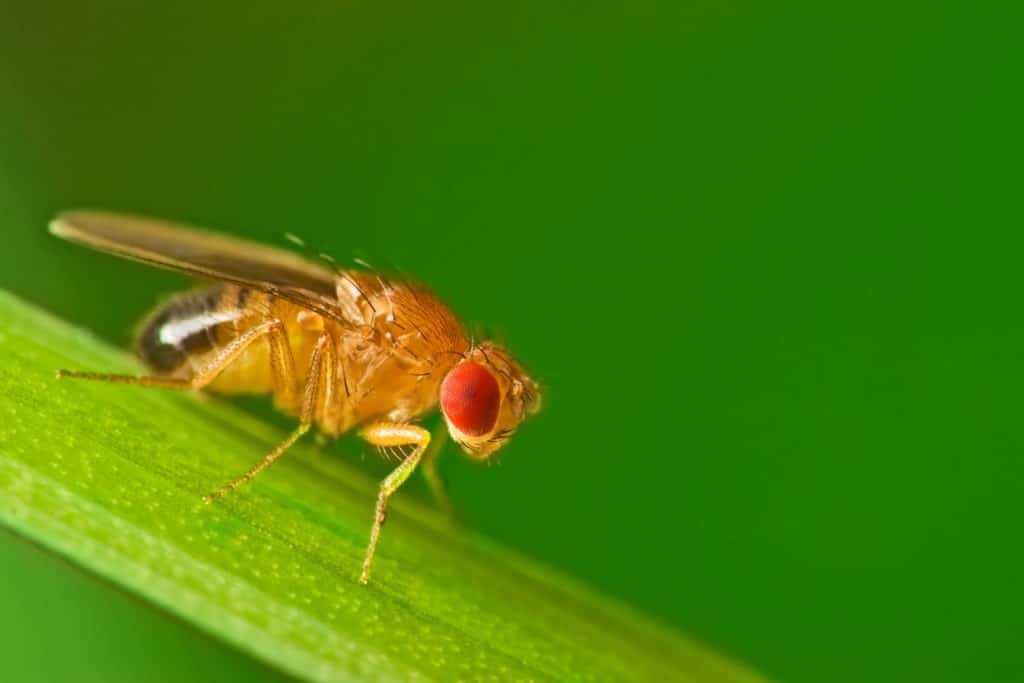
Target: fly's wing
(216,257)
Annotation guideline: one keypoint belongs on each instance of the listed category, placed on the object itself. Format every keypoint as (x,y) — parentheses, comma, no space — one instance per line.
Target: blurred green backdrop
(766,257)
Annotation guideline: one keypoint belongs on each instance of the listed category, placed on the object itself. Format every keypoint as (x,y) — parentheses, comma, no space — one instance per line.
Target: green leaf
(111,477)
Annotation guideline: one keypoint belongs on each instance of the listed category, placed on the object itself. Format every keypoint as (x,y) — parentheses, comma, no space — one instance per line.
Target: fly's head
(484,399)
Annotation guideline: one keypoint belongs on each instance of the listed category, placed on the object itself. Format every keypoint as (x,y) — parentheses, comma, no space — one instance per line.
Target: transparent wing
(216,257)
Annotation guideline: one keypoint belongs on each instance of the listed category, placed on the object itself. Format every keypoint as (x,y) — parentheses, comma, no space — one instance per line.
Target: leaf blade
(112,476)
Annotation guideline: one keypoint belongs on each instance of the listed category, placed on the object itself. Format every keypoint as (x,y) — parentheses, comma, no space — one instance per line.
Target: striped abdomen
(189,326)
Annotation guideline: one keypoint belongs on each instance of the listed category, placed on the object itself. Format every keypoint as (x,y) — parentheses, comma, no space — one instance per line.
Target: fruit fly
(338,349)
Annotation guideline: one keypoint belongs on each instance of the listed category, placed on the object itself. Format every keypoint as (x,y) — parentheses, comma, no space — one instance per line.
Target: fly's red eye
(470,398)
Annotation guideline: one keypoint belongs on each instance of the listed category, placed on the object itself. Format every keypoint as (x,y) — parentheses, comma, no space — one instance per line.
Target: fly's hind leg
(319,382)
(386,434)
(282,364)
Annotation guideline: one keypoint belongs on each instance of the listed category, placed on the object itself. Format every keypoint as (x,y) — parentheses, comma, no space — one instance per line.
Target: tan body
(337,349)
(393,350)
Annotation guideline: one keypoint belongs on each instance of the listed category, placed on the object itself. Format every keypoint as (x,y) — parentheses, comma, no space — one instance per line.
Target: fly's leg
(430,473)
(386,434)
(282,365)
(321,364)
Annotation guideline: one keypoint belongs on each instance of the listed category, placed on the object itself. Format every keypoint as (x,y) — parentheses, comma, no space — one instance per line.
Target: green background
(765,257)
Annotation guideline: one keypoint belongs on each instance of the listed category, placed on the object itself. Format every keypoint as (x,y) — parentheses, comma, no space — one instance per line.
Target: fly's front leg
(318,382)
(386,434)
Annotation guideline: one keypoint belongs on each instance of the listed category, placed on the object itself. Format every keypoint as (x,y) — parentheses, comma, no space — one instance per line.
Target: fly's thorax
(387,379)
(399,314)
(397,342)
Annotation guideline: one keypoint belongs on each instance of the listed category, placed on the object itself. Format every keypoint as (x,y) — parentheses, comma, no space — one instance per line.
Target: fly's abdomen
(187,329)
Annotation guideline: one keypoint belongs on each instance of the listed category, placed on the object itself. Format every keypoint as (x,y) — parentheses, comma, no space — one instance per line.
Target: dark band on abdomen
(184,327)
